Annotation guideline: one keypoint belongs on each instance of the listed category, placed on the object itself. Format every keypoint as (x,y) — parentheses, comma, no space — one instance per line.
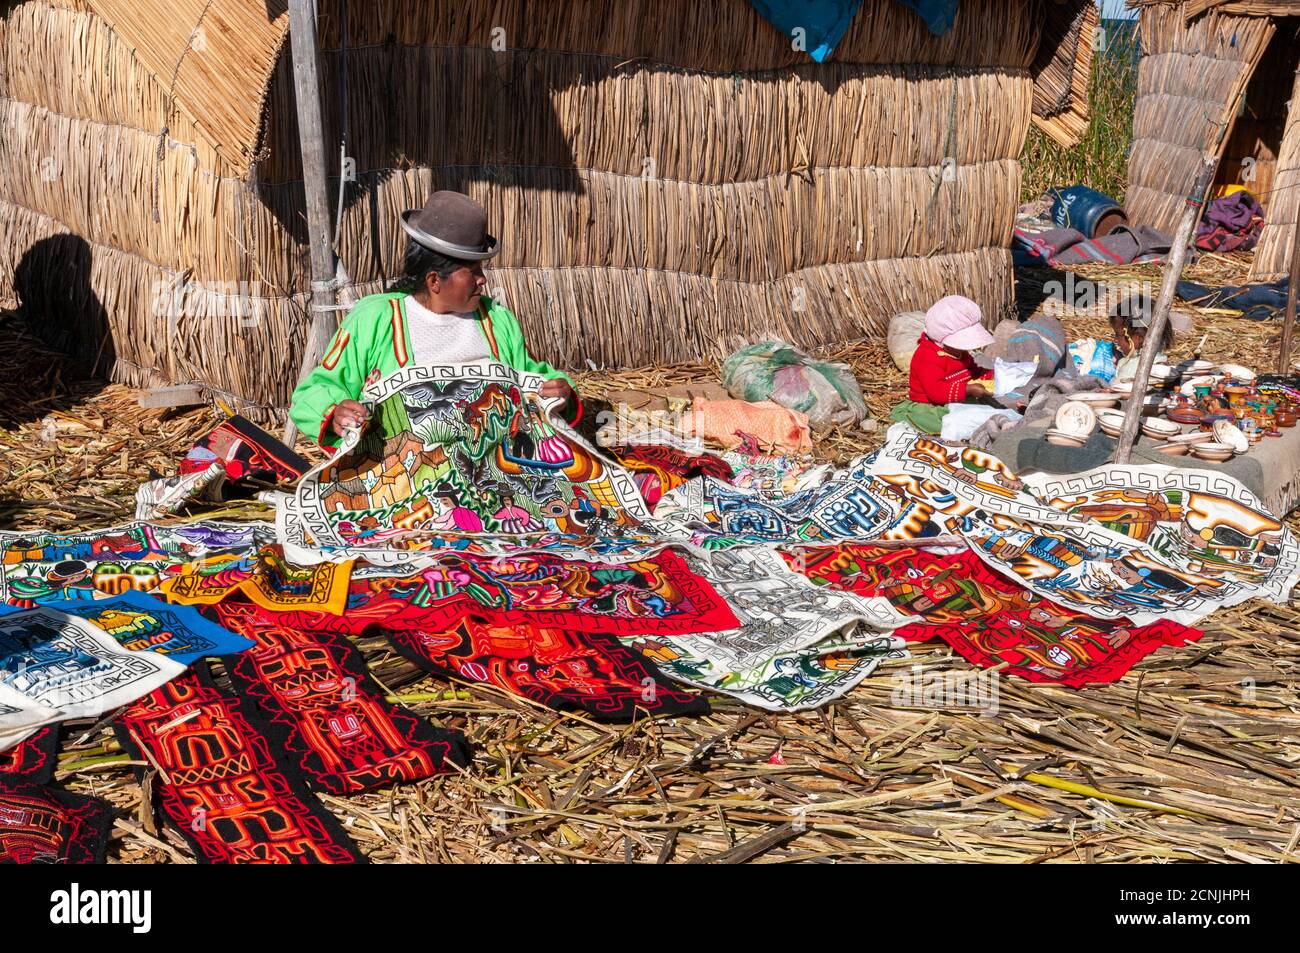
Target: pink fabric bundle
(777,429)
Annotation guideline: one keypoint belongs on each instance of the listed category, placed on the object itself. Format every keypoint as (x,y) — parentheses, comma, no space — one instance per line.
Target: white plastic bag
(1010,376)
(962,420)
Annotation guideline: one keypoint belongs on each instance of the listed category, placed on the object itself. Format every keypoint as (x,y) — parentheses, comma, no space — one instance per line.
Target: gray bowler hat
(452,224)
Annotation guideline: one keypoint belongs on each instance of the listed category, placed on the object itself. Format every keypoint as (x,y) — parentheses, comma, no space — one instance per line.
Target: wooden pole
(1168,282)
(1293,286)
(311,142)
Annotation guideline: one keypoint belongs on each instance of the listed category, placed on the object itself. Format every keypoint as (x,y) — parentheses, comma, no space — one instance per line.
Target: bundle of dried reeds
(213,56)
(72,62)
(1063,68)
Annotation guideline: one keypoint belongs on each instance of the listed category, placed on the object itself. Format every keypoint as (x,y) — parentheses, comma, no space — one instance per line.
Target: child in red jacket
(943,371)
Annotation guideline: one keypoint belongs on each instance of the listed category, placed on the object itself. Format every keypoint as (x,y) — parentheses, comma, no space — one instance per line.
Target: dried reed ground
(1190,757)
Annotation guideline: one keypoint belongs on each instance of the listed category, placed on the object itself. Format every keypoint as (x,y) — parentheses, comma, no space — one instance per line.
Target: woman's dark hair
(419,262)
(1134,312)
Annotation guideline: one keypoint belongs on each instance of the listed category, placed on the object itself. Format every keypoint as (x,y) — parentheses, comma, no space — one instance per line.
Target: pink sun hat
(956,322)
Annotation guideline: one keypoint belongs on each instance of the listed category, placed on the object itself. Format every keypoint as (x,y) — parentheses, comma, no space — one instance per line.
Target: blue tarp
(937,14)
(824,22)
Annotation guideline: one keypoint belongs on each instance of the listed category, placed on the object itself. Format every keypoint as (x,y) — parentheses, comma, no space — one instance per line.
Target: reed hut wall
(1198,57)
(1277,240)
(666,178)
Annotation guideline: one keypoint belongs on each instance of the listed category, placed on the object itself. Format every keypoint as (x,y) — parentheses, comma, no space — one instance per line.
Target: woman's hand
(556,388)
(348,415)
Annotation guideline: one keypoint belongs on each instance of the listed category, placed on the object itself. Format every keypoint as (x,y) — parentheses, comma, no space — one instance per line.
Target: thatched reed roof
(1063,69)
(666,176)
(213,57)
(1198,57)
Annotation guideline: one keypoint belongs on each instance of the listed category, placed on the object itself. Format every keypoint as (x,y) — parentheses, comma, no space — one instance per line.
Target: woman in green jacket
(437,314)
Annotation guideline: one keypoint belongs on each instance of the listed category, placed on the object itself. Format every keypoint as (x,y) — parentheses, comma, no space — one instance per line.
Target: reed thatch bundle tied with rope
(665,176)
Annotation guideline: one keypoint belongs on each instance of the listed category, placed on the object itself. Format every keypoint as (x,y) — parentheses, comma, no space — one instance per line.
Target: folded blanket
(1067,246)
(1231,223)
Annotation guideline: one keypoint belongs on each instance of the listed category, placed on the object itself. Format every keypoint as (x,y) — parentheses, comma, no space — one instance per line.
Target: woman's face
(459,291)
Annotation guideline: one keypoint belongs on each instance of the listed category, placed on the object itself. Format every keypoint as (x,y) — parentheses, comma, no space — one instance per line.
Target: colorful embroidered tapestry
(1213,546)
(141,623)
(39,824)
(561,669)
(134,542)
(851,504)
(29,584)
(987,618)
(221,786)
(32,761)
(1143,543)
(797,646)
(658,469)
(311,694)
(459,458)
(657,595)
(54,667)
(45,567)
(44,825)
(266,578)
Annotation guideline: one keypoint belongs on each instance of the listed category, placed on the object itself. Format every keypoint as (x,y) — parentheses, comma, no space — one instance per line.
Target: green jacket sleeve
(337,378)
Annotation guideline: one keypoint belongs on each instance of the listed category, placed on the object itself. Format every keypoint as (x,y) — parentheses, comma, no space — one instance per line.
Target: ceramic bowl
(1172,449)
(1163,372)
(1229,434)
(1158,429)
(1218,452)
(1076,419)
(1111,421)
(1097,399)
(1063,439)
(1185,415)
